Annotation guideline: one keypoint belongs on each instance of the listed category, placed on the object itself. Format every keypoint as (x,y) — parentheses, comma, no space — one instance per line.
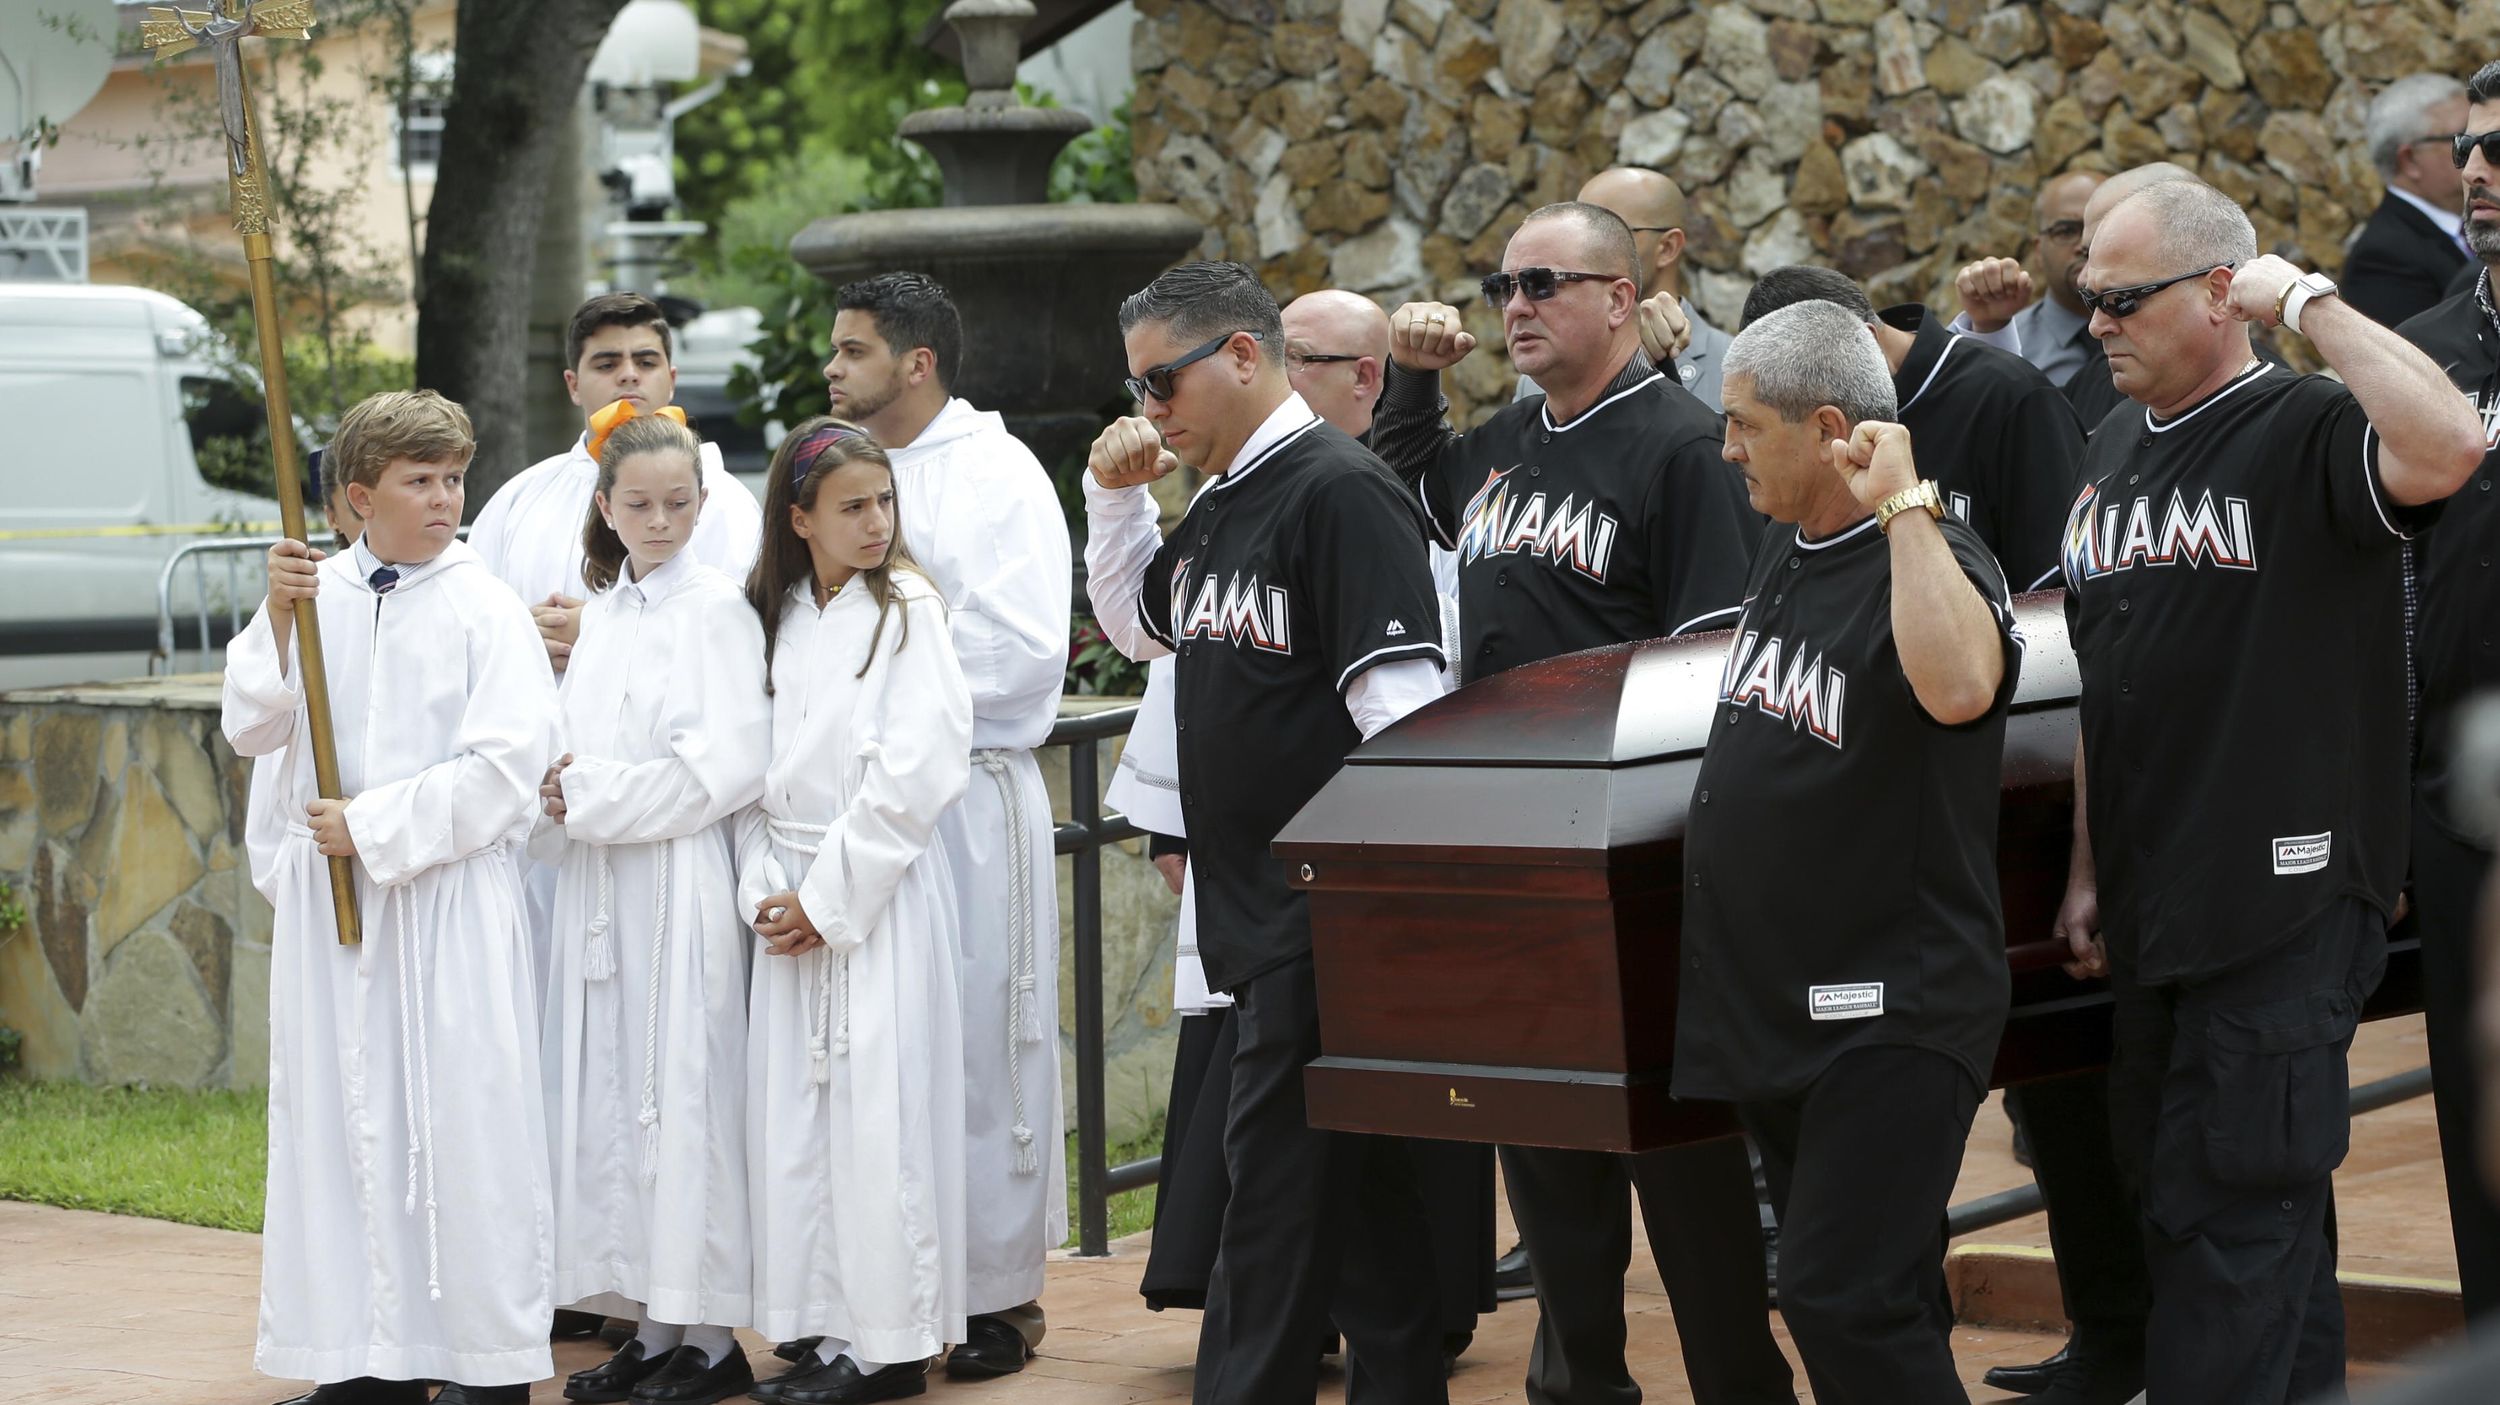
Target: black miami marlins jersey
(2454,634)
(1840,874)
(1288,577)
(1623,524)
(2000,440)
(2234,595)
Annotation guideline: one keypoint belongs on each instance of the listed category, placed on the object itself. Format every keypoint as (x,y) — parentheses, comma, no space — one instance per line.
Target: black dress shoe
(842,1383)
(2031,1379)
(688,1377)
(1512,1278)
(991,1348)
(362,1390)
(614,1378)
(770,1388)
(458,1394)
(798,1349)
(572,1326)
(2097,1374)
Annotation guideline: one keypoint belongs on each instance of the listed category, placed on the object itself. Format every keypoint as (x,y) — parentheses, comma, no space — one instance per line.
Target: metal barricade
(242,594)
(1082,838)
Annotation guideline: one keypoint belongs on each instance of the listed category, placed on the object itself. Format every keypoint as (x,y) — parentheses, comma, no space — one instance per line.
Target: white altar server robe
(981,517)
(406,1234)
(855,1128)
(645,1056)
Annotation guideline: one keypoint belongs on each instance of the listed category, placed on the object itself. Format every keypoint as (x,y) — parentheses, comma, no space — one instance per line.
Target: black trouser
(2230,1111)
(1862,1169)
(1574,1212)
(1320,1226)
(2095,1226)
(2448,881)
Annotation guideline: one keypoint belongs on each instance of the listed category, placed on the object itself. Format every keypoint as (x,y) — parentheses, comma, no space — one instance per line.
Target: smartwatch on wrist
(2303,290)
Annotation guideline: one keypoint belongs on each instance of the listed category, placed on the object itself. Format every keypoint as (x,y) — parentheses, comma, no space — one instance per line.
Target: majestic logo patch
(1574,534)
(1239,611)
(1807,695)
(2303,853)
(1845,1002)
(1396,629)
(2101,539)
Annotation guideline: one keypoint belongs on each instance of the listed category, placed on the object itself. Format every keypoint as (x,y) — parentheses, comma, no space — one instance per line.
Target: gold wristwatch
(1920,494)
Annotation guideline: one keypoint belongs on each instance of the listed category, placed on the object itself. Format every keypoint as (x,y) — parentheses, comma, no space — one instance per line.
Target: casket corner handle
(1309,874)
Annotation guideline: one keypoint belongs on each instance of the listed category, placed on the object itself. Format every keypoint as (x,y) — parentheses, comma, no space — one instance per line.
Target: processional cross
(220,31)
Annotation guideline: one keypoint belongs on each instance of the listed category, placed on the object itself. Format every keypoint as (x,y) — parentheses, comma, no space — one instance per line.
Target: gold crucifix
(221,30)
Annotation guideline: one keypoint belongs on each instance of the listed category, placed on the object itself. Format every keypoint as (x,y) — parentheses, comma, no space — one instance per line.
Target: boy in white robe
(984,523)
(856,1092)
(666,731)
(616,350)
(406,1233)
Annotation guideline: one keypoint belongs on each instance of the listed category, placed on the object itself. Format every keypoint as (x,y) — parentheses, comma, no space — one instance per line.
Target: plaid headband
(803,459)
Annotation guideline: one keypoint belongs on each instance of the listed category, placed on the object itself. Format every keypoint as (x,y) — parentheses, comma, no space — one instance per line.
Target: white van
(109,399)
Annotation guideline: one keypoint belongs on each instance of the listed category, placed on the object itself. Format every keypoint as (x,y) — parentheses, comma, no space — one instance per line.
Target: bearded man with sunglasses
(1596,513)
(2233,594)
(1295,593)
(2453,660)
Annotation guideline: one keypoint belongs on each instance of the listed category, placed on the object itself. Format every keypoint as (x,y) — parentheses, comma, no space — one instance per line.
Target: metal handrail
(1082,838)
(197,553)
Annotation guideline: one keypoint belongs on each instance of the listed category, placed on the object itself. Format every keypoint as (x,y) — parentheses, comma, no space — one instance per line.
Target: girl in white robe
(855,1055)
(665,730)
(406,1234)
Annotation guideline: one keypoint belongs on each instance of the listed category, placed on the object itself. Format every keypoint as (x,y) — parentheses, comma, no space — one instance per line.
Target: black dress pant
(2095,1226)
(2230,1110)
(1320,1226)
(1574,1212)
(2448,882)
(1862,1169)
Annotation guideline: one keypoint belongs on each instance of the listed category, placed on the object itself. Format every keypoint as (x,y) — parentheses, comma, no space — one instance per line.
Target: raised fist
(1429,336)
(1129,452)
(1993,290)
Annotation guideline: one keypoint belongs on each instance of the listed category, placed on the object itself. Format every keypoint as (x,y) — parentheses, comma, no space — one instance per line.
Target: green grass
(197,1157)
(166,1154)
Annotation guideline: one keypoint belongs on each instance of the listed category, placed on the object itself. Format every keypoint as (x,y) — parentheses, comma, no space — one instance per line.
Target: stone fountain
(1039,285)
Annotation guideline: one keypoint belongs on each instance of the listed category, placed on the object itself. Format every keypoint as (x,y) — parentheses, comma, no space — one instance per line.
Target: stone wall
(1392,146)
(145,955)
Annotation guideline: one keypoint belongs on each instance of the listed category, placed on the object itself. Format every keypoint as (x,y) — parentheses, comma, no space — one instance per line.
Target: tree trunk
(517,73)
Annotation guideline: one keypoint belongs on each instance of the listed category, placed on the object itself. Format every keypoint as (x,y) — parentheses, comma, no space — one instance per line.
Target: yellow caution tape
(171,529)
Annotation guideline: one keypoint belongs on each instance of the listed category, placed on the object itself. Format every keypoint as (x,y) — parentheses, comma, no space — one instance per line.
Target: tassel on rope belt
(599,964)
(832,974)
(1023,997)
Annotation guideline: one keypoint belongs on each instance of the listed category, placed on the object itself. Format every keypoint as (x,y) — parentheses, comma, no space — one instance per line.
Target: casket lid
(1631,704)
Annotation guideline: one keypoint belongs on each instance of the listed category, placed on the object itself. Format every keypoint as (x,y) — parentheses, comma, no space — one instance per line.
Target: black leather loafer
(991,1348)
(842,1383)
(614,1378)
(688,1377)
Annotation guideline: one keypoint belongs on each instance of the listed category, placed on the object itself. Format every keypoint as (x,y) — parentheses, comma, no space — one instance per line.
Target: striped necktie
(383,579)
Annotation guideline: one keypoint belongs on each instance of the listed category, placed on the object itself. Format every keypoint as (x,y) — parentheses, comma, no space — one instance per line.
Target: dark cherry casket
(1494,886)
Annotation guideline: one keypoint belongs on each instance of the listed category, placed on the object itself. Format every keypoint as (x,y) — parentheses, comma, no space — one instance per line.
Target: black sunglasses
(1539,284)
(1157,381)
(2461,147)
(2122,302)
(1299,359)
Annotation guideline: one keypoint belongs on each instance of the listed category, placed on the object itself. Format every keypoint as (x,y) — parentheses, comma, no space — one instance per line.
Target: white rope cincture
(663,853)
(1023,998)
(825,1038)
(599,951)
(417,1086)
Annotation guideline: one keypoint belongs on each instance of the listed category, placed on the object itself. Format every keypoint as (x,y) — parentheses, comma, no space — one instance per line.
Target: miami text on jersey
(1582,538)
(1809,696)
(2119,536)
(1241,611)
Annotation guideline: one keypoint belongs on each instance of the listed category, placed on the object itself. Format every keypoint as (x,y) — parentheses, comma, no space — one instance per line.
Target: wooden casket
(1495,884)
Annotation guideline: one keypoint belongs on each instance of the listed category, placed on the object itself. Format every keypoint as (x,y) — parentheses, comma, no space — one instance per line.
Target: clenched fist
(1665,331)
(2257,289)
(1993,290)
(1129,453)
(1875,460)
(1429,336)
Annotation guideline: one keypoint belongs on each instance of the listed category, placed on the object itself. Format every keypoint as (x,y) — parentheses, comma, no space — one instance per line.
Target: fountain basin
(1039,287)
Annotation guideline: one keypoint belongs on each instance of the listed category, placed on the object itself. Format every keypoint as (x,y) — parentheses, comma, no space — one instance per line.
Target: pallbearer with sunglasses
(2460,596)
(1295,594)
(1596,513)
(2235,601)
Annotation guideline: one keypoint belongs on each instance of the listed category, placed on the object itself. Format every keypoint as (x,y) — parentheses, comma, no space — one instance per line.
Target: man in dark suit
(2403,258)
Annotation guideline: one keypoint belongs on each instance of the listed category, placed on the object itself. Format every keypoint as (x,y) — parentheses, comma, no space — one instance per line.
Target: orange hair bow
(616,412)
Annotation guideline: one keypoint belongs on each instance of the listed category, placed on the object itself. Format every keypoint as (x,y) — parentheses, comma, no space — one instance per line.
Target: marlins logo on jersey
(2104,538)
(1241,611)
(1574,534)
(1807,695)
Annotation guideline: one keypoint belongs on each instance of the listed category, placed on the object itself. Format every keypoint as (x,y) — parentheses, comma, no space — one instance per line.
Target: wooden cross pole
(221,32)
